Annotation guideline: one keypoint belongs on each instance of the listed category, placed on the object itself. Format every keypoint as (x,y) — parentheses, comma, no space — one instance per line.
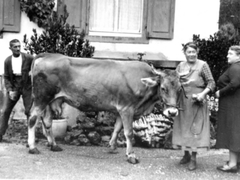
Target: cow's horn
(155,71)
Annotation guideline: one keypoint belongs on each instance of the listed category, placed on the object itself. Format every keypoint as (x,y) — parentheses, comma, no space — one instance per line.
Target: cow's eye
(163,89)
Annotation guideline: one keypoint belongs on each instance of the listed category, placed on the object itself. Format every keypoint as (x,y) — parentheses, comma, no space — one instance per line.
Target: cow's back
(90,84)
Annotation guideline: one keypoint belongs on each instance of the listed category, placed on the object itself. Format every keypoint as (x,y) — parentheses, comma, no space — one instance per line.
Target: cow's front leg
(128,132)
(117,128)
(33,120)
(47,127)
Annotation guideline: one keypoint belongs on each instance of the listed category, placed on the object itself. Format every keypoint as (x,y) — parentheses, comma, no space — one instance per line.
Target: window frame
(9,12)
(119,39)
(153,26)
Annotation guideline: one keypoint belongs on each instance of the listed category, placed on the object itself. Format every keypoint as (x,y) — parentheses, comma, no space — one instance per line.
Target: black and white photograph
(119,89)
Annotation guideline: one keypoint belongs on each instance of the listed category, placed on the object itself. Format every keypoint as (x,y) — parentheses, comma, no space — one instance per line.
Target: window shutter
(160,19)
(77,10)
(10,15)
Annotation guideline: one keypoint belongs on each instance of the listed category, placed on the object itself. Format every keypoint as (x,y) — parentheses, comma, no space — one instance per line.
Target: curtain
(120,16)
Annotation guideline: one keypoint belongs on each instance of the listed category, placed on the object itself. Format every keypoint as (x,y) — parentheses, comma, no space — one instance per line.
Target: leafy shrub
(59,37)
(214,50)
(38,11)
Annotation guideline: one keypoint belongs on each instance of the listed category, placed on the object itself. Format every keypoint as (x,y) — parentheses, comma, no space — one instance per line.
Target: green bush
(214,50)
(38,11)
(59,37)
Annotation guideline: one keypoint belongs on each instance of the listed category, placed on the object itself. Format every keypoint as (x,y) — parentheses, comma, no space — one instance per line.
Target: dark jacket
(9,76)
(228,116)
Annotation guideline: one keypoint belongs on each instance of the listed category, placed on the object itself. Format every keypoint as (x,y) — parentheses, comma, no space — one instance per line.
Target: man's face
(15,48)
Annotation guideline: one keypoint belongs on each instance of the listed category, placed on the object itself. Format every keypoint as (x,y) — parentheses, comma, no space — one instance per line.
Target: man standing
(17,82)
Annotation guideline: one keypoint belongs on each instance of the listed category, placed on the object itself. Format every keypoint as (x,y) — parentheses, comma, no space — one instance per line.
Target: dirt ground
(95,163)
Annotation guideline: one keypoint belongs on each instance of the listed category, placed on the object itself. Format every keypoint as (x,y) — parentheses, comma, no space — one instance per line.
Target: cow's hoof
(48,144)
(131,158)
(34,151)
(56,148)
(112,149)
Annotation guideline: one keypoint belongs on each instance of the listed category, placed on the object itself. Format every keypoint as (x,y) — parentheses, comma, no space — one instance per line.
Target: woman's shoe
(186,159)
(192,165)
(238,164)
(227,168)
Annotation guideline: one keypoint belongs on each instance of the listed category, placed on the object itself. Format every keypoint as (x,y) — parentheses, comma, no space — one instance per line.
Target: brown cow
(128,88)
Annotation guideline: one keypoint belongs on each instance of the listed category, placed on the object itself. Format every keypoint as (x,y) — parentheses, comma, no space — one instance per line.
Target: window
(116,18)
(133,21)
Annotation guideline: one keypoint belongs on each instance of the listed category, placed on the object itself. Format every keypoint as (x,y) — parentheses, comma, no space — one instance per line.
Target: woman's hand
(198,97)
(217,94)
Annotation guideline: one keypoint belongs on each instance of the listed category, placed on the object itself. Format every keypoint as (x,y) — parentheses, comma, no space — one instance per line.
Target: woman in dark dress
(228,129)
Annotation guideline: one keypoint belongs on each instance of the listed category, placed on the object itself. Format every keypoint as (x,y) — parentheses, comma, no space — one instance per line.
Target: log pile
(151,130)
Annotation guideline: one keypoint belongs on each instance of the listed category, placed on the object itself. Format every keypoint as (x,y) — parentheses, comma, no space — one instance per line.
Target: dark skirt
(228,122)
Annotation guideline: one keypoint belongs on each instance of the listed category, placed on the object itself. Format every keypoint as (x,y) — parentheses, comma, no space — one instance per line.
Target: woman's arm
(208,79)
(234,80)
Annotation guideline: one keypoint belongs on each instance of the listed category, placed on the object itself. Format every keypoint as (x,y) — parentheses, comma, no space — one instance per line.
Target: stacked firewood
(96,129)
(151,130)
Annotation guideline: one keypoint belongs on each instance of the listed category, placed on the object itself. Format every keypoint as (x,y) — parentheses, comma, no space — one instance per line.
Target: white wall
(191,17)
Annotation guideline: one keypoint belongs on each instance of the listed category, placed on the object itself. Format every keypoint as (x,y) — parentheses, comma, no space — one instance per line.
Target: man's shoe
(186,159)
(227,168)
(192,165)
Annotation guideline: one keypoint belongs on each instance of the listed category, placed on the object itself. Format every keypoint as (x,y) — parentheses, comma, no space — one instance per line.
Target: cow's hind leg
(47,127)
(127,118)
(117,128)
(32,122)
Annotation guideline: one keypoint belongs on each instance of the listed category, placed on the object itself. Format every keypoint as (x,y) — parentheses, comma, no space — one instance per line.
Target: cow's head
(169,87)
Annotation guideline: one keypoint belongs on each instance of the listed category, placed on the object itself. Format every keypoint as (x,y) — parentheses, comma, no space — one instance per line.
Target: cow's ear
(151,82)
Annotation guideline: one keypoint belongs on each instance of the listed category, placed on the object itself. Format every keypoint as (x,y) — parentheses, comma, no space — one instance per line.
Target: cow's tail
(33,64)
(31,71)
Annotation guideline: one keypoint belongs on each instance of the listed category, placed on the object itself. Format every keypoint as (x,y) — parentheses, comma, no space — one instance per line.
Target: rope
(203,115)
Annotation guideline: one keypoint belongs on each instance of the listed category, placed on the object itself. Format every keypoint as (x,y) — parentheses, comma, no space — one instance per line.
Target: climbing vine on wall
(59,37)
(38,11)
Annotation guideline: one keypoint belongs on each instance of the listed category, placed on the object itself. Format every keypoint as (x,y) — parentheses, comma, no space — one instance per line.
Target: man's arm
(7,75)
